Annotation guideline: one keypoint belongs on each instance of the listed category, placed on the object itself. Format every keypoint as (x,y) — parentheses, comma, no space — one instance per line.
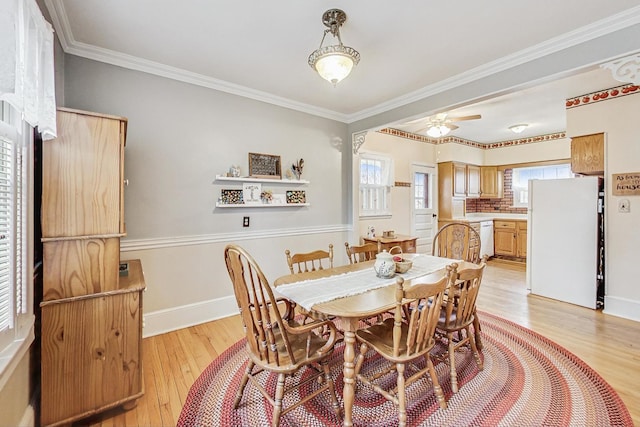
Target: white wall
(459,153)
(179,137)
(534,152)
(618,119)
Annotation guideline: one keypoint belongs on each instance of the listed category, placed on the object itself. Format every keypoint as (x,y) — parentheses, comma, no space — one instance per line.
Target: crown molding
(567,40)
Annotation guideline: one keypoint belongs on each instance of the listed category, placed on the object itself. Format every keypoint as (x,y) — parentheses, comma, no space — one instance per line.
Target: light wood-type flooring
(610,345)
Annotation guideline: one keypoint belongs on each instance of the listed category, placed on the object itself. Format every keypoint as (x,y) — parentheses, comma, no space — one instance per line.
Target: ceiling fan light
(518,128)
(437,131)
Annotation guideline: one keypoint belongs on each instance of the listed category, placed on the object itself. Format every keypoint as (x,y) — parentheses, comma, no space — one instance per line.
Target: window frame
(380,190)
(16,338)
(518,189)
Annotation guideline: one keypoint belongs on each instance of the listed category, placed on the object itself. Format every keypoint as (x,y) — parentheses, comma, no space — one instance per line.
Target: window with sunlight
(375,185)
(521,177)
(422,193)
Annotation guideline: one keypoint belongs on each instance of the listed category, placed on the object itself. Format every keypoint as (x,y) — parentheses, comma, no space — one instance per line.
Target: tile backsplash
(497,205)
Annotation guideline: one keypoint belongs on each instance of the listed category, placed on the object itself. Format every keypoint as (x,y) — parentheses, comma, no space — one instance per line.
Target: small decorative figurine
(297,168)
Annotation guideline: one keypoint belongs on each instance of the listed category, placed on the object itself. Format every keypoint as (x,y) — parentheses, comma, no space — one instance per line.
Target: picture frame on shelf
(231,197)
(251,193)
(296,197)
(265,166)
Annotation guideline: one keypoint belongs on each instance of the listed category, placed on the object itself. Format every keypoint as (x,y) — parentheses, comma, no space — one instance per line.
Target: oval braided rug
(527,381)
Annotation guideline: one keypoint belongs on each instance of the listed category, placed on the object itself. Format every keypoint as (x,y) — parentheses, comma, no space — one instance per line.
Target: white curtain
(26,64)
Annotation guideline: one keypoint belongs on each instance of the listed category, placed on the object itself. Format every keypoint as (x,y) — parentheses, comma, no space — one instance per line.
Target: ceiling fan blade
(459,119)
(450,126)
(414,121)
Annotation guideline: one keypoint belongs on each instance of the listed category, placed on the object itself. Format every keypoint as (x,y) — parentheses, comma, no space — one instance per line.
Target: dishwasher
(486,238)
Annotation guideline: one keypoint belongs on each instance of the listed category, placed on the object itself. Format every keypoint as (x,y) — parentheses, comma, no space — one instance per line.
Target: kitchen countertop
(487,216)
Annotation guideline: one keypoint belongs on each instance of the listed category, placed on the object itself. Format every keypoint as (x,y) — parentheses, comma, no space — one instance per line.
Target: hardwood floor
(610,345)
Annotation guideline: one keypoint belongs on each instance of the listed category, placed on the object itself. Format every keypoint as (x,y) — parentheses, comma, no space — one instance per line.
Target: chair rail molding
(205,239)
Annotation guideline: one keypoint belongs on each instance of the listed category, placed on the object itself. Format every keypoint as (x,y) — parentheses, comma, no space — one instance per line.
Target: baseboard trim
(622,307)
(172,319)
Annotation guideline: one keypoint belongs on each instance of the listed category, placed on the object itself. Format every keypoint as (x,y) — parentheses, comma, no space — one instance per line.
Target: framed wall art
(265,166)
(231,197)
(296,197)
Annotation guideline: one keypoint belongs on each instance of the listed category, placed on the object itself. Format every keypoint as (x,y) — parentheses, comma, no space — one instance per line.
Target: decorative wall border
(455,140)
(602,95)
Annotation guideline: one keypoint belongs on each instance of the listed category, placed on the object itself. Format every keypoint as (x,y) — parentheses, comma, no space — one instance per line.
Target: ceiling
(259,49)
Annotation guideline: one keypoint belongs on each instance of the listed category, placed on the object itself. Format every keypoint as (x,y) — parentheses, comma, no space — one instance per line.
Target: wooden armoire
(91,314)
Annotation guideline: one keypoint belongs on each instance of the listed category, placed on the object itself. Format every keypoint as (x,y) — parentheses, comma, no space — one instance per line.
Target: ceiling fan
(440,124)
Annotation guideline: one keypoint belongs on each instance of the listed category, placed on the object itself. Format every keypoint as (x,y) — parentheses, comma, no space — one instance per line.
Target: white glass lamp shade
(334,67)
(334,63)
(437,131)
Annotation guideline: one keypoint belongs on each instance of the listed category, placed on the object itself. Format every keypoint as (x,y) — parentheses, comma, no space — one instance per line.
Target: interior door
(424,220)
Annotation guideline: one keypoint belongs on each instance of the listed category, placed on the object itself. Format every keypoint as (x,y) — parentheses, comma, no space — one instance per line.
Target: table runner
(306,293)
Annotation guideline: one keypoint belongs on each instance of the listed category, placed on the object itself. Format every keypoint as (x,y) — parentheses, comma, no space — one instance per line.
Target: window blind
(7,238)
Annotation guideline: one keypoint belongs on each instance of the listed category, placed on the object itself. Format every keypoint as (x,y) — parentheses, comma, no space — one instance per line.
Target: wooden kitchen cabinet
(91,315)
(491,182)
(473,181)
(510,238)
(587,154)
(521,239)
(504,238)
(459,179)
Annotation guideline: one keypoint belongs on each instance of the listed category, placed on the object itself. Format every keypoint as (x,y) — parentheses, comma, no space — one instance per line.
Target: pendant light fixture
(334,62)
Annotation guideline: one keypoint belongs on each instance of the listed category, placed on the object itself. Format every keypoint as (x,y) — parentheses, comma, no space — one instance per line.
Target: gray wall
(180,136)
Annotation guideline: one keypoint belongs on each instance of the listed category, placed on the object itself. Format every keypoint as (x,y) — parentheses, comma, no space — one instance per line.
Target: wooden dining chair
(458,240)
(275,342)
(360,253)
(402,341)
(310,261)
(457,315)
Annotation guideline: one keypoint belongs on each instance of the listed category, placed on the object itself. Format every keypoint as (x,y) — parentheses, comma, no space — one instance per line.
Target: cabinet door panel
(88,368)
(587,154)
(505,242)
(473,181)
(81,177)
(459,180)
(490,182)
(80,267)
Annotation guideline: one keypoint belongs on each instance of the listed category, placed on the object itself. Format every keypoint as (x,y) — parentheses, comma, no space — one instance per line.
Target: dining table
(351,293)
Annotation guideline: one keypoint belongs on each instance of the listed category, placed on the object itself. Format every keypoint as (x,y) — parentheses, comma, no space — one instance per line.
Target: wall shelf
(264,205)
(264,180)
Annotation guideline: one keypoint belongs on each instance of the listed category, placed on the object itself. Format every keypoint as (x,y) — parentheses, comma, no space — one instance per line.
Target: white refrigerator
(565,254)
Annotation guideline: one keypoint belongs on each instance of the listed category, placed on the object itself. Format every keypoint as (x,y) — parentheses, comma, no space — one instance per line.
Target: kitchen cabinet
(521,239)
(510,238)
(473,181)
(459,179)
(587,154)
(91,352)
(456,182)
(491,182)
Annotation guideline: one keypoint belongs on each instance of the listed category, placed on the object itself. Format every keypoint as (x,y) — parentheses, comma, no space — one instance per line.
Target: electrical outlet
(624,206)
(245,221)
